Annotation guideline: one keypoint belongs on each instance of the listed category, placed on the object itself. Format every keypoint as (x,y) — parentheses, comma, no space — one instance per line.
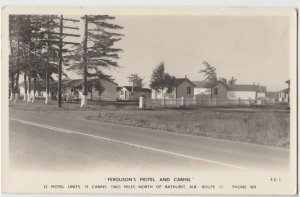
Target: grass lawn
(260,126)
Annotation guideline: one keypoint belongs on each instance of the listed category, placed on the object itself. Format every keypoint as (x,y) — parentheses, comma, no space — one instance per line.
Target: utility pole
(84,87)
(47,66)
(60,43)
(17,89)
(60,59)
(35,56)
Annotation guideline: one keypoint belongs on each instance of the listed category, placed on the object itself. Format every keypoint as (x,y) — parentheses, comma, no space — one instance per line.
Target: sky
(253,49)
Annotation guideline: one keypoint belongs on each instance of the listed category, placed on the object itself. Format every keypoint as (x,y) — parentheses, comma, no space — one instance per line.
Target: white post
(25,97)
(17,97)
(47,99)
(182,101)
(12,96)
(142,103)
(83,100)
(29,97)
(33,98)
(194,100)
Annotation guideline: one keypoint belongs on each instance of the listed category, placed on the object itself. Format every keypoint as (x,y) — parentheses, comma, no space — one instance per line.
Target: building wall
(161,94)
(241,94)
(221,91)
(283,97)
(261,94)
(109,93)
(124,94)
(136,95)
(182,90)
(129,96)
(202,91)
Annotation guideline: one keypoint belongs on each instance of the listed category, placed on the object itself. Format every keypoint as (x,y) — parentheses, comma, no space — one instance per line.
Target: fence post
(182,101)
(194,100)
(142,103)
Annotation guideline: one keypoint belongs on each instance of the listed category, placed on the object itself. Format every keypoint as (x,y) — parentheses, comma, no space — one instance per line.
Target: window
(122,92)
(216,91)
(169,90)
(188,90)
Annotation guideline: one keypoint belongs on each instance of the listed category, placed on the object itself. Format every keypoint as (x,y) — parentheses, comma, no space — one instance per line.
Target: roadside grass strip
(134,145)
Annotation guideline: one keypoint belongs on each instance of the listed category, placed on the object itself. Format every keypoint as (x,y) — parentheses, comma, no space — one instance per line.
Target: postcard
(149,100)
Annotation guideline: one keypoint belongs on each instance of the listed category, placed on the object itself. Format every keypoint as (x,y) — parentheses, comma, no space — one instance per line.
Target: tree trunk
(84,87)
(91,93)
(12,91)
(17,94)
(47,71)
(25,87)
(34,88)
(60,61)
(47,88)
(29,87)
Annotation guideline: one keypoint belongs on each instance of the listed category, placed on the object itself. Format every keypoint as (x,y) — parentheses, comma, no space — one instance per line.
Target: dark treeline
(39,50)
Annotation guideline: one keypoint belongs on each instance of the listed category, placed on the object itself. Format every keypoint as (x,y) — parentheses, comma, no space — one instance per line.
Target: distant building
(127,93)
(284,95)
(203,87)
(246,91)
(221,90)
(182,87)
(98,89)
(273,96)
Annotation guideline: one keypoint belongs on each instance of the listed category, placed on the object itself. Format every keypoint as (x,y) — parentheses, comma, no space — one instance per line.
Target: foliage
(135,80)
(99,87)
(223,80)
(29,51)
(232,81)
(209,72)
(100,75)
(100,53)
(160,79)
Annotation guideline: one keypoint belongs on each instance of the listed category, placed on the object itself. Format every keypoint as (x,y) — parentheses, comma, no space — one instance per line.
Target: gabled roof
(204,84)
(210,84)
(221,82)
(286,90)
(135,89)
(272,94)
(72,82)
(178,81)
(256,88)
(77,83)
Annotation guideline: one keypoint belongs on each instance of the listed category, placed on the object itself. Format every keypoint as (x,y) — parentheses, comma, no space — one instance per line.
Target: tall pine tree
(97,50)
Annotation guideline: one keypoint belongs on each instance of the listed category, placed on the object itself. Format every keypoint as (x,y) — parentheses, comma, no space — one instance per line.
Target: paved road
(56,142)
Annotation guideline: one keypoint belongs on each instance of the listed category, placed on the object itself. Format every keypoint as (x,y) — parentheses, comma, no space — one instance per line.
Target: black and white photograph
(149,100)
